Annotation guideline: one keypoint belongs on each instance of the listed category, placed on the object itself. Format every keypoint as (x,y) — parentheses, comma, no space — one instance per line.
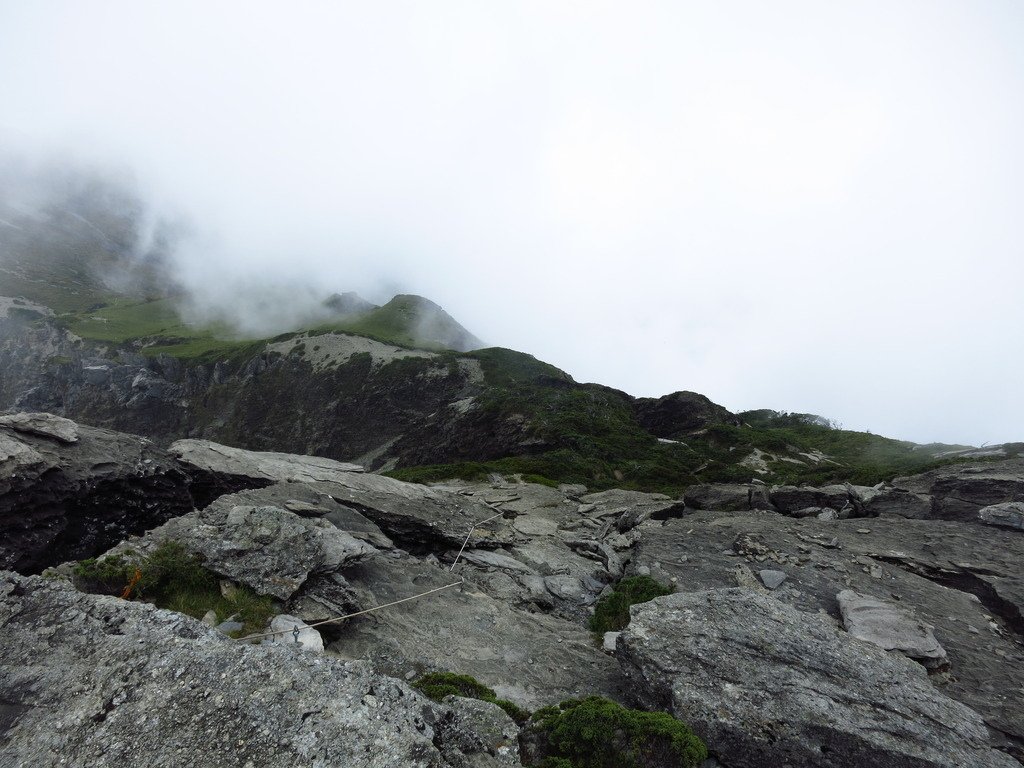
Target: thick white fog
(797,205)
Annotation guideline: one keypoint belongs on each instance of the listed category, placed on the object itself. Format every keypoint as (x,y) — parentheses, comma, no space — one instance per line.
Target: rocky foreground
(836,626)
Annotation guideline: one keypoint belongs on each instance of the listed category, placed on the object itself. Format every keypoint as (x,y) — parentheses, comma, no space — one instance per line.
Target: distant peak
(348,303)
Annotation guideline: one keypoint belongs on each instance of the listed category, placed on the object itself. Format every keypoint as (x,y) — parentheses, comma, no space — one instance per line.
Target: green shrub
(612,611)
(437,685)
(598,733)
(169,577)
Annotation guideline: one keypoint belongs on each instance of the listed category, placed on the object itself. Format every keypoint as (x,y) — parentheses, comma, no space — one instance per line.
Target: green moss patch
(611,613)
(169,577)
(597,733)
(437,685)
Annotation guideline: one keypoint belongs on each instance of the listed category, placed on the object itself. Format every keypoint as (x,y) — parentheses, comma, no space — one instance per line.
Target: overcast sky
(810,206)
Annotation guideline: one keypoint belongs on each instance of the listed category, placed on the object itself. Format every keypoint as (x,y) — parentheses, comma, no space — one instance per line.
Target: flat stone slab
(42,424)
(263,465)
(890,627)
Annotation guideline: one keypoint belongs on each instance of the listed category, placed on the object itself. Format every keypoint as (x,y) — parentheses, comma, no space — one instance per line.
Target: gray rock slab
(314,496)
(492,559)
(959,491)
(1007,515)
(532,659)
(412,514)
(42,424)
(615,502)
(765,684)
(891,627)
(98,681)
(952,575)
(263,465)
(417,516)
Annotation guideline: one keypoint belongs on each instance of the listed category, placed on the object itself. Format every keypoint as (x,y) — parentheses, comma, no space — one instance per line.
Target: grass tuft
(169,577)
(598,733)
(437,685)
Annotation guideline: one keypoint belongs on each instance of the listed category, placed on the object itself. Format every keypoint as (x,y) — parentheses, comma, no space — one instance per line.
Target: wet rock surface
(92,680)
(64,498)
(766,684)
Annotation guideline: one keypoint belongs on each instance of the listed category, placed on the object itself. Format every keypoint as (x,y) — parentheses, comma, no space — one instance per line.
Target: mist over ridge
(656,199)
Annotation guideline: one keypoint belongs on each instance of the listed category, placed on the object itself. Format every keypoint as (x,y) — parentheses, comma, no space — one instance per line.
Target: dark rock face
(789,499)
(63,500)
(677,415)
(894,502)
(725,497)
(91,680)
(765,684)
(357,406)
(959,492)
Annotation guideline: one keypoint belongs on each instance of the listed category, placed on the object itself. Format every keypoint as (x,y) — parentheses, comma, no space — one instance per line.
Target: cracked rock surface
(964,580)
(767,684)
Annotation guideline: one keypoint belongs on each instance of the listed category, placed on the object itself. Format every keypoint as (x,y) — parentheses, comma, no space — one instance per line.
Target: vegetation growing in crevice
(611,613)
(437,685)
(598,733)
(169,577)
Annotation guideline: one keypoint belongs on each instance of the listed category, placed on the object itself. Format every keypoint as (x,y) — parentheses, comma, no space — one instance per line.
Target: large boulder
(1007,515)
(895,502)
(94,680)
(964,580)
(765,684)
(679,414)
(789,498)
(42,424)
(69,491)
(268,548)
(530,658)
(723,497)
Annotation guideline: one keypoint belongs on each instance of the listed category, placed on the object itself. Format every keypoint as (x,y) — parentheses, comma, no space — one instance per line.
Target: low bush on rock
(169,577)
(611,613)
(437,685)
(597,733)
